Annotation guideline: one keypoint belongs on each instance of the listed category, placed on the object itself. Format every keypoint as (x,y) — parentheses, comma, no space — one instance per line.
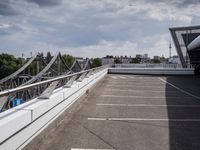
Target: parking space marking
(149,105)
(134,80)
(140,91)
(89,149)
(144,119)
(111,104)
(183,91)
(122,77)
(144,78)
(132,84)
(120,96)
(113,77)
(125,86)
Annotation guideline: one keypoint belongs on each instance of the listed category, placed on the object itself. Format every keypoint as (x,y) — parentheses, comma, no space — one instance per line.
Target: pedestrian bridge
(108,112)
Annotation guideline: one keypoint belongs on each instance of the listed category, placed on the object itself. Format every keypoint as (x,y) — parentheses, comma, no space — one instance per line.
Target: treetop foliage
(9,64)
(96,62)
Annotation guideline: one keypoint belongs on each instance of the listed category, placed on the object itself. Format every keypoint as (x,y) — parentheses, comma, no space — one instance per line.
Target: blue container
(17,102)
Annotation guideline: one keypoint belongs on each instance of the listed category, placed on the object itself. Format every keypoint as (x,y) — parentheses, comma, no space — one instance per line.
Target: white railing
(19,125)
(148,65)
(47,85)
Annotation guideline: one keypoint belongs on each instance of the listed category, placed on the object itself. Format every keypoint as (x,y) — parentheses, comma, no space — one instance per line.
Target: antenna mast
(170,49)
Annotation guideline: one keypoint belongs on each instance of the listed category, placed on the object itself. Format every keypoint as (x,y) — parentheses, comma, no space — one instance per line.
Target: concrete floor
(130,112)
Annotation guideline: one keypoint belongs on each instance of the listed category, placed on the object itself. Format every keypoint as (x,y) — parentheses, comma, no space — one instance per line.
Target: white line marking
(122,77)
(145,77)
(116,96)
(134,81)
(132,77)
(135,84)
(149,105)
(113,77)
(111,104)
(118,85)
(142,91)
(183,91)
(98,119)
(144,119)
(88,149)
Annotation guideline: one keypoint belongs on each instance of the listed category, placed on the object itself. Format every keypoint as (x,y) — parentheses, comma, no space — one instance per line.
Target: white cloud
(105,47)
(4,26)
(93,28)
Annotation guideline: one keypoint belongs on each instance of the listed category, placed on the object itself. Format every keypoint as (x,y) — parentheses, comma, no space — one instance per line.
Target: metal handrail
(151,65)
(18,89)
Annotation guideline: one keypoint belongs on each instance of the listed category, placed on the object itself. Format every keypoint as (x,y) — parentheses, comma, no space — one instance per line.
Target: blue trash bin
(17,101)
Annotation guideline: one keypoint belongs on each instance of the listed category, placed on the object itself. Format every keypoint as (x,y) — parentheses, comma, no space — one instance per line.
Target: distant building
(174,60)
(125,59)
(156,57)
(145,58)
(138,56)
(163,59)
(79,58)
(108,60)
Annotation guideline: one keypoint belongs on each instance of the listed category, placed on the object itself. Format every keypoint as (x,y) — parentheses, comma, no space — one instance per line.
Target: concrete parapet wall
(153,71)
(21,124)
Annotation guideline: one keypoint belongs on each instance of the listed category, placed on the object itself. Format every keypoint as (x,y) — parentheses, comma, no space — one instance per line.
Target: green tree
(96,62)
(156,61)
(8,64)
(136,60)
(20,61)
(42,55)
(49,57)
(69,59)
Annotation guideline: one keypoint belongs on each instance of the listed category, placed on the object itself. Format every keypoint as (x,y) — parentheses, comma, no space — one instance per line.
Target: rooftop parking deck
(129,112)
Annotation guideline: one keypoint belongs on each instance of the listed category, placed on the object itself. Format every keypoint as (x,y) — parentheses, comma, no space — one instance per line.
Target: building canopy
(187,43)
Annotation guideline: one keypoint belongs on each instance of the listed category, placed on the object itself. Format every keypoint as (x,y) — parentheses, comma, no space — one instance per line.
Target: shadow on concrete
(183,135)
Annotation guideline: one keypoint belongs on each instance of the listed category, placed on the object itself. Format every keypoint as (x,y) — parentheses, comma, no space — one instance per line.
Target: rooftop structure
(108,60)
(129,112)
(174,60)
(187,43)
(96,108)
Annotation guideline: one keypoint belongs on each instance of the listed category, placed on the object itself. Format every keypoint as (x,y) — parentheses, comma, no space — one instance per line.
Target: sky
(93,28)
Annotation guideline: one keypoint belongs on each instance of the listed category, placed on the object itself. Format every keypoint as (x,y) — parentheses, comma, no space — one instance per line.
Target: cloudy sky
(93,28)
